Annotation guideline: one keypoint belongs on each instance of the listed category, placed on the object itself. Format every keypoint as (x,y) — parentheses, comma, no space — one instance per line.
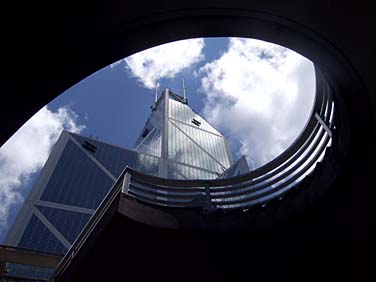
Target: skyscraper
(175,143)
(188,146)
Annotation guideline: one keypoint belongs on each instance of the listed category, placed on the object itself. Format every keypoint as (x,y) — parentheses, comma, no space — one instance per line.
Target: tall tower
(175,143)
(187,145)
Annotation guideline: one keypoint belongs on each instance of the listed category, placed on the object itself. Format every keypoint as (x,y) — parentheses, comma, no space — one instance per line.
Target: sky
(257,94)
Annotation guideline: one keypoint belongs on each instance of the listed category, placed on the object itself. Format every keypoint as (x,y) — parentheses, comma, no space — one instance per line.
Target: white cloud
(259,93)
(117,63)
(164,61)
(26,152)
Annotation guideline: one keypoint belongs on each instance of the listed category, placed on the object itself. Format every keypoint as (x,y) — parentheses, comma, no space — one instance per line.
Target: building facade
(174,143)
(76,177)
(186,144)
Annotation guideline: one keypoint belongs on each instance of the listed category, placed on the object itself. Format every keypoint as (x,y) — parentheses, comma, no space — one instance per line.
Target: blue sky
(259,95)
(114,105)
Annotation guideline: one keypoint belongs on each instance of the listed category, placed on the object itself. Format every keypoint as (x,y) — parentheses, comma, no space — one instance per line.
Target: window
(89,146)
(146,131)
(196,122)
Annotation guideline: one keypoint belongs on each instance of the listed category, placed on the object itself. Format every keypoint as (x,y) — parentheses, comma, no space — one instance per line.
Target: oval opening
(255,96)
(243,102)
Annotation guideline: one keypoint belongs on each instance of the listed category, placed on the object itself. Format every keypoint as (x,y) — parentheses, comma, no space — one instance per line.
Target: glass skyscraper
(188,146)
(174,143)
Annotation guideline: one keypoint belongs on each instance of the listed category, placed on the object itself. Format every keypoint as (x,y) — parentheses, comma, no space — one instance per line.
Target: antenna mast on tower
(155,96)
(184,96)
(156,92)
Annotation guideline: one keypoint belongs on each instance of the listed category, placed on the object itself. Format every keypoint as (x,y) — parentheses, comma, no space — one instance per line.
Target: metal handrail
(269,188)
(234,197)
(292,164)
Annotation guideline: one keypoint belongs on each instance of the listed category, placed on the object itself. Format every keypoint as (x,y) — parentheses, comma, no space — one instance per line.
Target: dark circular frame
(354,113)
(336,80)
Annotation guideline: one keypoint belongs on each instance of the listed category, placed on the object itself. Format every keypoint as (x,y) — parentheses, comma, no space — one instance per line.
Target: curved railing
(268,182)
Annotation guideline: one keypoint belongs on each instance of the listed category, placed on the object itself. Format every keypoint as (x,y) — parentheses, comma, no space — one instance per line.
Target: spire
(156,92)
(155,96)
(185,98)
